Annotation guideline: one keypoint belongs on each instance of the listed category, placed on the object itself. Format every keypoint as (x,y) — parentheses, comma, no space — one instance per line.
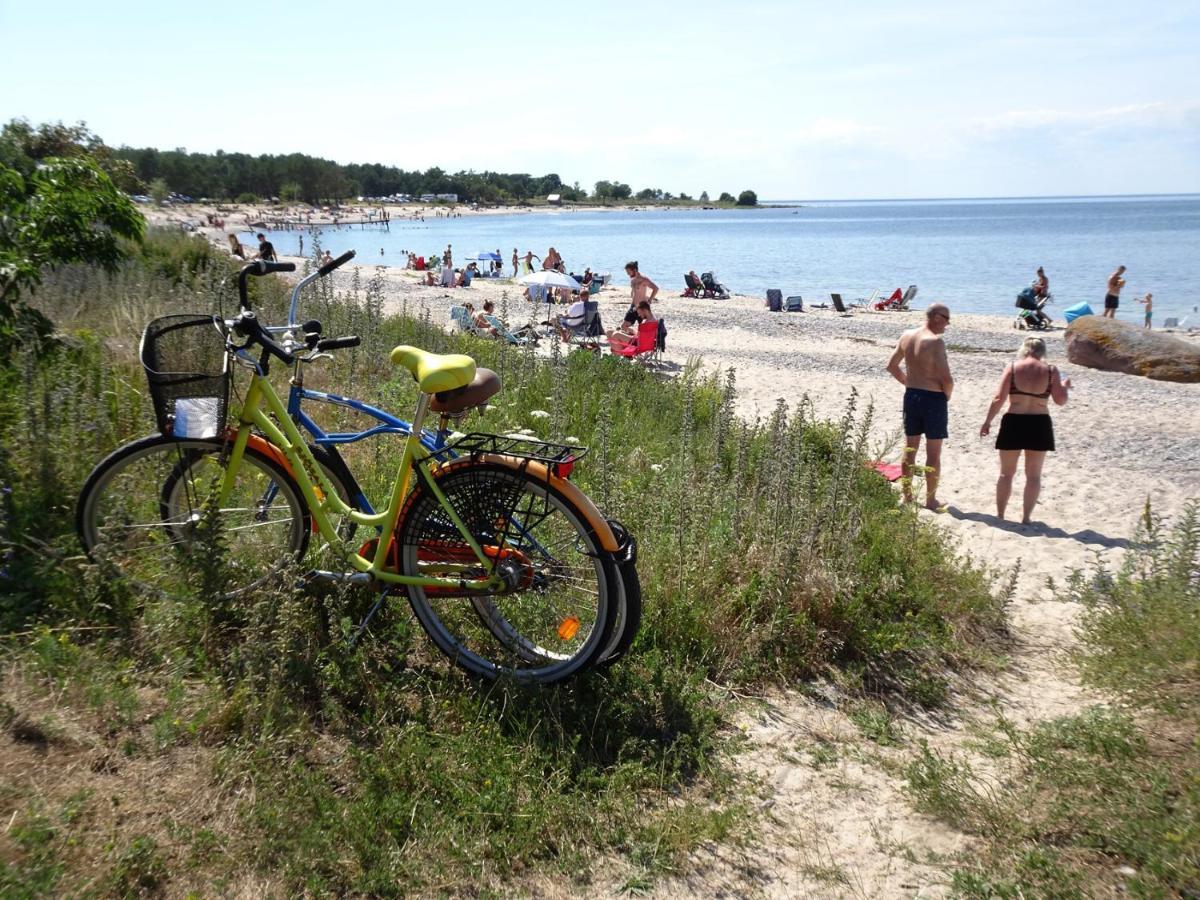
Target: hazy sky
(796,100)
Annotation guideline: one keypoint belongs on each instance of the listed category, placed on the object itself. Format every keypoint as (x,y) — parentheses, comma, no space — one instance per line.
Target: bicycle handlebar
(339,343)
(256,268)
(333,264)
(309,279)
(248,326)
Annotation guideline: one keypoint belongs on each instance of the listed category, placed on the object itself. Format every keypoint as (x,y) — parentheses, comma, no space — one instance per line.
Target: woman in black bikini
(1025,427)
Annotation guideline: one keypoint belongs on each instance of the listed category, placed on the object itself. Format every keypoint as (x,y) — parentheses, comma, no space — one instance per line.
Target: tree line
(300,177)
(297,176)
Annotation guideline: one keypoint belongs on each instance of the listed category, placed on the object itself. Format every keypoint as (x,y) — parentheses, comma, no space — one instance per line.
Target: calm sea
(973,254)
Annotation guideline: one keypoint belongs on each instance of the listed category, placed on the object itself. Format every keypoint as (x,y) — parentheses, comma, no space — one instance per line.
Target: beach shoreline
(1122,439)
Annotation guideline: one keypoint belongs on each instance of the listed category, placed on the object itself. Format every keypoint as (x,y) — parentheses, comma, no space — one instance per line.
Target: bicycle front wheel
(555,617)
(142,507)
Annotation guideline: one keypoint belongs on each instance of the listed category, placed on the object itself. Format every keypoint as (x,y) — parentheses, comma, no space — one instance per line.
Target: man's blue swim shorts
(927,413)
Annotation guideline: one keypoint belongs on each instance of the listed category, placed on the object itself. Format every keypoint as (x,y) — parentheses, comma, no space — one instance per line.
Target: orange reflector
(568,628)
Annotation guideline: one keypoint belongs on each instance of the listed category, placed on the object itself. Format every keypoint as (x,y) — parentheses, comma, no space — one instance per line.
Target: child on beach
(1148,302)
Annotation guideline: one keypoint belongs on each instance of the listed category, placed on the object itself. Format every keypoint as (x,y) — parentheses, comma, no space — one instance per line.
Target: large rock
(1117,347)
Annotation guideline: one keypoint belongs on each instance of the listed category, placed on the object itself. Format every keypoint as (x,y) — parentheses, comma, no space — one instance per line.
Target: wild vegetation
(151,744)
(1105,802)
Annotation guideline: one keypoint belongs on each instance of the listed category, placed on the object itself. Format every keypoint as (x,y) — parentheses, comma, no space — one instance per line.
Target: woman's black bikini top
(1013,389)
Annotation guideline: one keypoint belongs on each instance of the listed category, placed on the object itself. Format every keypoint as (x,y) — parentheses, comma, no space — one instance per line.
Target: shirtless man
(925,374)
(1113,298)
(640,287)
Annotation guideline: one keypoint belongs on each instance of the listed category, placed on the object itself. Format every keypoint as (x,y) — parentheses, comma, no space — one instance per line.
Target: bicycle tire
(558,619)
(142,502)
(628,616)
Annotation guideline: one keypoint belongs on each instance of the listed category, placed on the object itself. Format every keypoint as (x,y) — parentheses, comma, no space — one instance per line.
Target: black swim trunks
(927,413)
(1025,431)
(1111,301)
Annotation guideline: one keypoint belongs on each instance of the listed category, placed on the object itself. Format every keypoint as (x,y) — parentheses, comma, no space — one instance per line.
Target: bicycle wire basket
(188,372)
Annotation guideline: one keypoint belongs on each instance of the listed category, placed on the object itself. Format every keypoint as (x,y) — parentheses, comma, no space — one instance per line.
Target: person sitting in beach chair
(713,288)
(627,335)
(581,325)
(644,347)
(481,322)
(695,288)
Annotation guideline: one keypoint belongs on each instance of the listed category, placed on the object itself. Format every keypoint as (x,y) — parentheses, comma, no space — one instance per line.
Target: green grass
(769,554)
(1106,801)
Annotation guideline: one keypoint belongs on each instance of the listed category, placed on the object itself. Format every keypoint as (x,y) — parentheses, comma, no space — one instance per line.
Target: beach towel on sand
(890,471)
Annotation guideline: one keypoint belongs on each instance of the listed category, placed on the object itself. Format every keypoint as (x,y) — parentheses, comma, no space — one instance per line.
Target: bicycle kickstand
(362,626)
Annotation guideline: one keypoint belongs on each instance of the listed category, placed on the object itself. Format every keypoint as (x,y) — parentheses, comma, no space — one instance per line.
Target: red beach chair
(891,301)
(646,345)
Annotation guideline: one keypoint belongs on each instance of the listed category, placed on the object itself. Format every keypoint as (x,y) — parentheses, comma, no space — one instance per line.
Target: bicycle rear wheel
(142,505)
(557,616)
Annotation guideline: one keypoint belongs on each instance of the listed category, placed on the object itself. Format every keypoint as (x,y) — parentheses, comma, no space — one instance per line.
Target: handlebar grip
(278,267)
(333,264)
(339,343)
(249,327)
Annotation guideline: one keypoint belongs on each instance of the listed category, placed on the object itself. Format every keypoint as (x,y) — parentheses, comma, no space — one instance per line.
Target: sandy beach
(1123,441)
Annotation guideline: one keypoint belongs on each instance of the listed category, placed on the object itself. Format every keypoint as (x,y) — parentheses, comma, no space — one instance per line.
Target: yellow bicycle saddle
(435,372)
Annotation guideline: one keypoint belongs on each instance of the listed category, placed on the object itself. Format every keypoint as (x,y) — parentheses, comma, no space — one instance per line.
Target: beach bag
(775,300)
(662,335)
(1071,313)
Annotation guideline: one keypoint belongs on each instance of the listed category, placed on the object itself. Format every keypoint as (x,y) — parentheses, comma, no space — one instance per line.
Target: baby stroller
(712,287)
(1031,315)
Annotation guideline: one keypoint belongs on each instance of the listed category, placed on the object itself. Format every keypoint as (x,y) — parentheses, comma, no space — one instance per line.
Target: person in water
(1026,385)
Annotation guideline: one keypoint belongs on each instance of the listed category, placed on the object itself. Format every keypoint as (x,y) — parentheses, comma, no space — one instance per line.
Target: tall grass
(769,554)
(1105,802)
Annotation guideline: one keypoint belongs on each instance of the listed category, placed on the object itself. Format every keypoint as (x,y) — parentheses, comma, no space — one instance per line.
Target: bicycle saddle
(435,372)
(485,384)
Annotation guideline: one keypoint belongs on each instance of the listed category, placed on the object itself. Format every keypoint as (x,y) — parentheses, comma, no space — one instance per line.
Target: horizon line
(1012,197)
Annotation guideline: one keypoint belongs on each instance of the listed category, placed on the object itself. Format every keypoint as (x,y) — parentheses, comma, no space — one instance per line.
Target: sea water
(974,255)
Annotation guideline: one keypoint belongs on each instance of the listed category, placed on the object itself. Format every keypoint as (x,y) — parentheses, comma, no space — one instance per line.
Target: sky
(794,100)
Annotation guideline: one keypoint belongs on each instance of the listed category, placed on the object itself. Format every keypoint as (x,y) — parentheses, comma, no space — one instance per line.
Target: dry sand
(844,827)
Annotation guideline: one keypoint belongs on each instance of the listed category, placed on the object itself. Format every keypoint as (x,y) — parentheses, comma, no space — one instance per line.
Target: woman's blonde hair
(1032,346)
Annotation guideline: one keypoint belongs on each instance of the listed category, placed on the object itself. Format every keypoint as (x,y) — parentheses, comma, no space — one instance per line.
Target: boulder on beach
(1114,346)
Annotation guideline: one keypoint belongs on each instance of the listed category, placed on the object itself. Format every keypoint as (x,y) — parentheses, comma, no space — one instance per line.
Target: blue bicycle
(304,340)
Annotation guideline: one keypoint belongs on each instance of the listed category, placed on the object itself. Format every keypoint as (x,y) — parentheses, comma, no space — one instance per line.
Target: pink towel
(890,471)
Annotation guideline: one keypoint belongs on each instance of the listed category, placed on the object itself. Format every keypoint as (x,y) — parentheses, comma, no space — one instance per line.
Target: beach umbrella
(487,256)
(551,279)
(548,279)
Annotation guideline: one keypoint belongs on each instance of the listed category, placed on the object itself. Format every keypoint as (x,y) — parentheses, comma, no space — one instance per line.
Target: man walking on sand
(919,363)
(1112,299)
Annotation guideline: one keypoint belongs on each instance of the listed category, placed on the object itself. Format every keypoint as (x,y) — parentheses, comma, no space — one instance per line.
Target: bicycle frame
(264,411)
(432,441)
